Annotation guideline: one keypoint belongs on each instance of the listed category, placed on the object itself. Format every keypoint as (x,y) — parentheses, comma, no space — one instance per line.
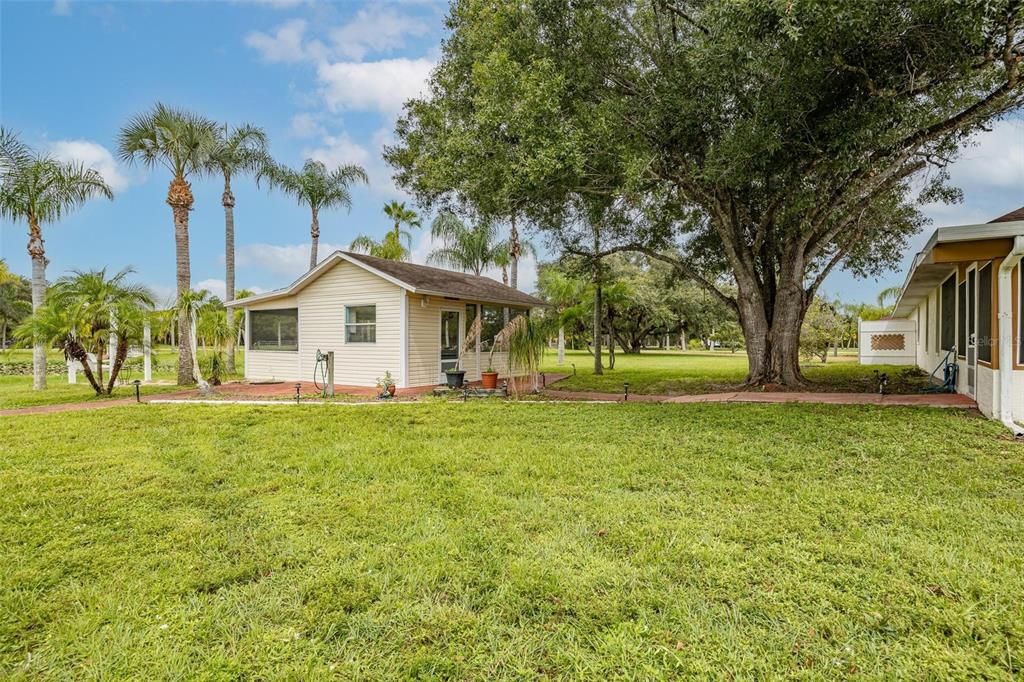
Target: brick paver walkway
(244,391)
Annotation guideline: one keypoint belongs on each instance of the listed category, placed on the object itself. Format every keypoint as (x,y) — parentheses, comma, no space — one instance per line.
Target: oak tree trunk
(598,367)
(180,199)
(314,236)
(228,200)
(37,253)
(771,323)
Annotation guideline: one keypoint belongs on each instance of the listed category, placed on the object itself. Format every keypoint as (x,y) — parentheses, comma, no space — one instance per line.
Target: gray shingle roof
(447,282)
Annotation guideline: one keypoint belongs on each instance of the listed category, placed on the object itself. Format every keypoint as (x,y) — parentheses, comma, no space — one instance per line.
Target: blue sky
(325,80)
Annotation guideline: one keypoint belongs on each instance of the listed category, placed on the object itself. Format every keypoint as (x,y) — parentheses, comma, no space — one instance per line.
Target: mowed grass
(685,373)
(17,391)
(510,541)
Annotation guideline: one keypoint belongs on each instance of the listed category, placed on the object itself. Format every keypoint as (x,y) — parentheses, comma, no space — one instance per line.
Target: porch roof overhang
(945,250)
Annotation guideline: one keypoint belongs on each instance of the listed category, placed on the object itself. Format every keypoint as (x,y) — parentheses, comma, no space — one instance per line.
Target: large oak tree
(770,141)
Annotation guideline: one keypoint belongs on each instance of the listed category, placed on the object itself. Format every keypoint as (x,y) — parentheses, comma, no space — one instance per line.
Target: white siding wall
(424,342)
(268,365)
(322,325)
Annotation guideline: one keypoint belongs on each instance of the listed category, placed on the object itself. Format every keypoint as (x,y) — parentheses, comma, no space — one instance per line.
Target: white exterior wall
(424,343)
(987,379)
(271,365)
(322,326)
(868,328)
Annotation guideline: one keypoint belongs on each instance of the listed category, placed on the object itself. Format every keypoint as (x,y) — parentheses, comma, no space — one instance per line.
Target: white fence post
(561,345)
(147,353)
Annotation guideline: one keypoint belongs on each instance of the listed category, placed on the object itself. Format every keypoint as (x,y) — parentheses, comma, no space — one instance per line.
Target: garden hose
(320,373)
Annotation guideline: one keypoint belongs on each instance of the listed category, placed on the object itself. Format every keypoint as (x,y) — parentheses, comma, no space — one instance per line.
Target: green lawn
(500,541)
(16,391)
(678,373)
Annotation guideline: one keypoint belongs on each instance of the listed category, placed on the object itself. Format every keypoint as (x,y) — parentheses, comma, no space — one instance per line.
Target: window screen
(985,313)
(961,335)
(274,329)
(492,321)
(948,313)
(361,324)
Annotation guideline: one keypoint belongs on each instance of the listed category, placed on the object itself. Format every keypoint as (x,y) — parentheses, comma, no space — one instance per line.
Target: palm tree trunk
(314,235)
(180,198)
(513,254)
(228,200)
(38,255)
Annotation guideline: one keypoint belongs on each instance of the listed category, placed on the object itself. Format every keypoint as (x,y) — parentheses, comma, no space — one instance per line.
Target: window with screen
(948,313)
(985,313)
(274,329)
(927,305)
(361,324)
(492,321)
(961,335)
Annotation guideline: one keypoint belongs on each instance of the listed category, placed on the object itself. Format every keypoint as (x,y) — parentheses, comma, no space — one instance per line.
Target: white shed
(377,316)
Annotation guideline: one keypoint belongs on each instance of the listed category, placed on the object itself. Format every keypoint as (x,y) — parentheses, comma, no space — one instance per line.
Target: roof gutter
(1006,335)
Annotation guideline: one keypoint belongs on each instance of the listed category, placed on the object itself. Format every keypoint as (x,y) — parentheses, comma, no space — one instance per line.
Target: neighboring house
(377,316)
(963,292)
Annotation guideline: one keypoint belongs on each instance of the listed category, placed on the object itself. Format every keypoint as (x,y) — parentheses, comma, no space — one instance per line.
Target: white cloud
(305,125)
(290,260)
(375,29)
(287,44)
(92,155)
(335,150)
(62,8)
(382,85)
(995,159)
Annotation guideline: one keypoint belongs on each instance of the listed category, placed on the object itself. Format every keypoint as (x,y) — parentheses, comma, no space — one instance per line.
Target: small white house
(377,316)
(963,298)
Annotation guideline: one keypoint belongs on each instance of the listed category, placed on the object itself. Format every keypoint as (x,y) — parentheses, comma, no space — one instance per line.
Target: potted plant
(489,378)
(386,384)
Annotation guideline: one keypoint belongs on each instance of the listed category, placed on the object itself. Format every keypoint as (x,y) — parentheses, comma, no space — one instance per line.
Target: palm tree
(12,151)
(188,306)
(390,247)
(39,189)
(886,295)
(80,315)
(237,151)
(402,216)
(471,249)
(316,187)
(181,142)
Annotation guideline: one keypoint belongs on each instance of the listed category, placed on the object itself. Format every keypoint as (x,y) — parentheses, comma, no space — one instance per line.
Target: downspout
(1006,348)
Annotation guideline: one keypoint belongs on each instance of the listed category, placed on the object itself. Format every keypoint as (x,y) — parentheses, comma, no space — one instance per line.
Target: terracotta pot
(391,390)
(489,379)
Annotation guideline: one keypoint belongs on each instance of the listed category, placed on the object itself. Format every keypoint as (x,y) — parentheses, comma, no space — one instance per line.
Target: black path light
(298,394)
(138,396)
(625,391)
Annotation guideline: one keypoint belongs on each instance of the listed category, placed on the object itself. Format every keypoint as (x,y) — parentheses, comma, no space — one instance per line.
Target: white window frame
(348,324)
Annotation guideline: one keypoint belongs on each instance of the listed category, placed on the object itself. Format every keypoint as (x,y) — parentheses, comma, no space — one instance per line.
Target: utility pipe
(1006,347)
